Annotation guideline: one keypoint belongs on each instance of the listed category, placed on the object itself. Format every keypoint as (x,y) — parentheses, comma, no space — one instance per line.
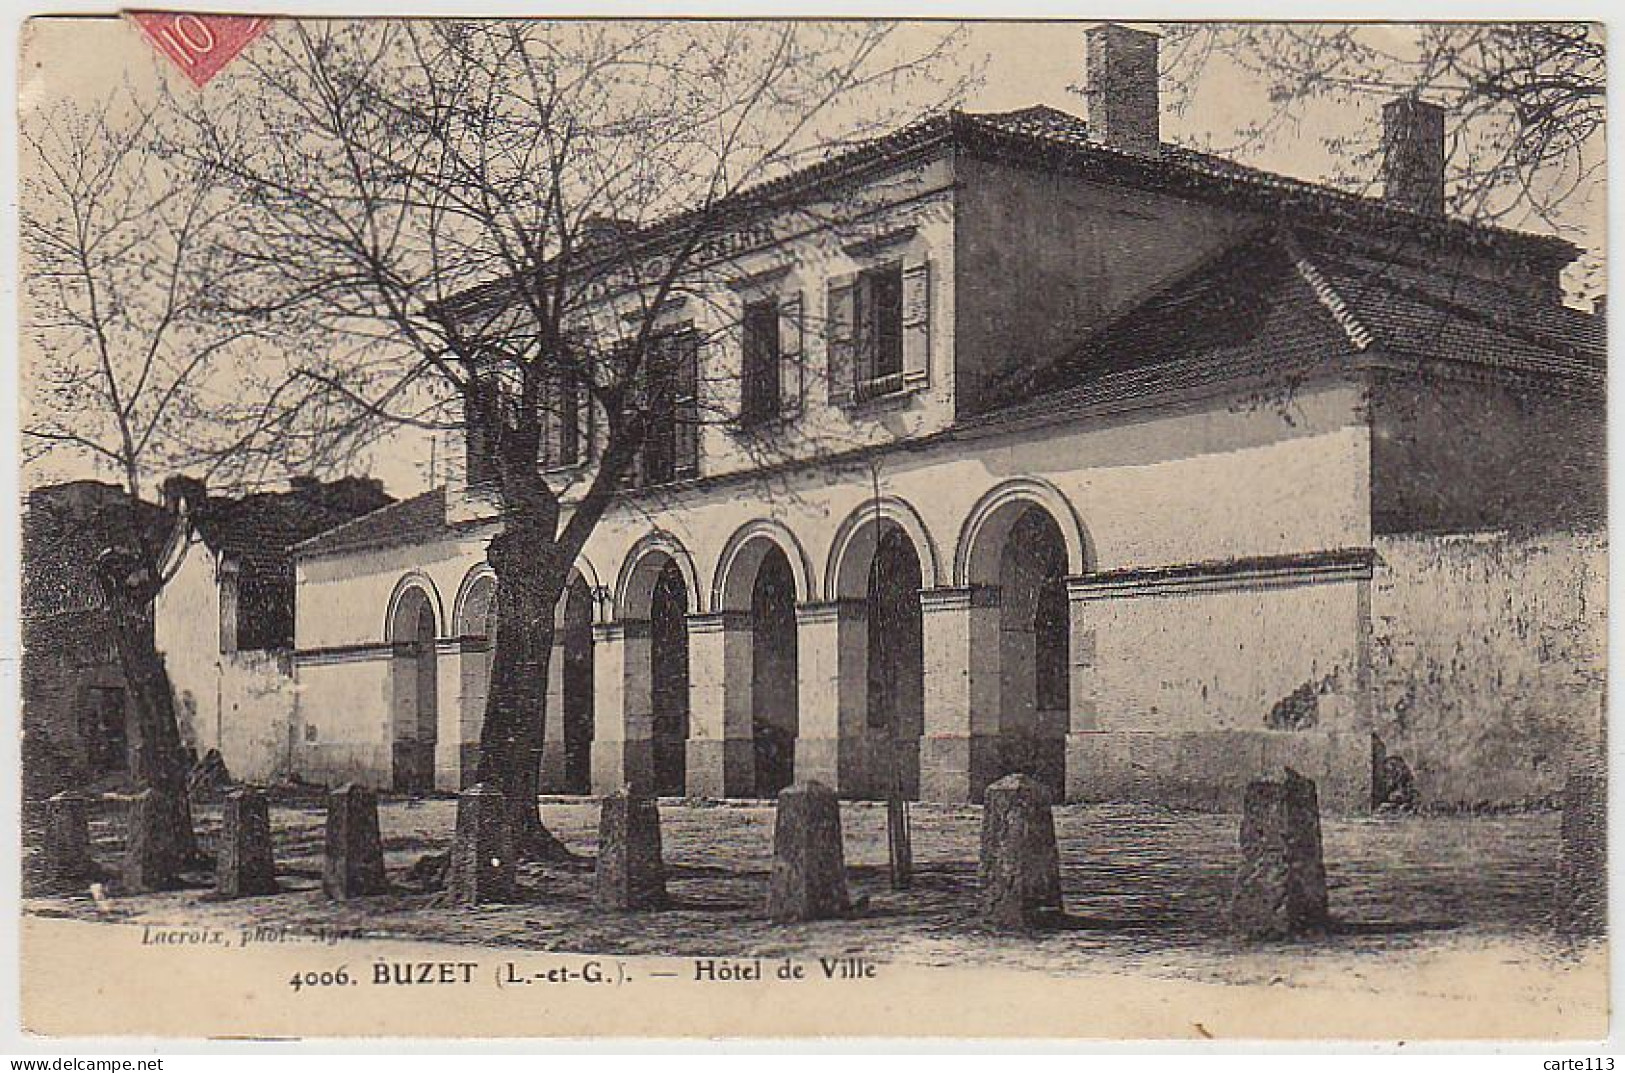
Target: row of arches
(1017,549)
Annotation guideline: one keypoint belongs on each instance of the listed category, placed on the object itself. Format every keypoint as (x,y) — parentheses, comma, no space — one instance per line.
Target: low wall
(1489,660)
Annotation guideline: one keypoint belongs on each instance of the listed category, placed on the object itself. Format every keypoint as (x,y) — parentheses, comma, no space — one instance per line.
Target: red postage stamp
(200,45)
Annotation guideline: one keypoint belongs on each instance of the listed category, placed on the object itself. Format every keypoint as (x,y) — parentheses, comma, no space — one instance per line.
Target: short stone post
(809,865)
(1280,890)
(243,864)
(67,863)
(353,866)
(1021,864)
(151,844)
(484,866)
(630,873)
(1582,891)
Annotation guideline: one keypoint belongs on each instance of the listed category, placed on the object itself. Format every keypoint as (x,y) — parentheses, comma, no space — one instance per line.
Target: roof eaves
(1359,336)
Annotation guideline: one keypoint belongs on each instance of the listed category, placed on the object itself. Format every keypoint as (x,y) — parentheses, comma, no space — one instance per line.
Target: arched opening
(896,662)
(1034,639)
(773,671)
(668,678)
(575,651)
(414,684)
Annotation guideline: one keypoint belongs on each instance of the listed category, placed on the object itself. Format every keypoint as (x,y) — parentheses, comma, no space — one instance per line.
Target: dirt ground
(1145,891)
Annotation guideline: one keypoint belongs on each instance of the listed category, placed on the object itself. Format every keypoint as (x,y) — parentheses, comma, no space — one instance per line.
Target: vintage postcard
(793,528)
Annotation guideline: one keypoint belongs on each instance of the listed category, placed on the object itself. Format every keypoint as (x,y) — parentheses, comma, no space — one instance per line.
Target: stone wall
(1488,660)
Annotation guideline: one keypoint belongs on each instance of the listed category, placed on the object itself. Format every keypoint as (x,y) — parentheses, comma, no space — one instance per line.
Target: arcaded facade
(1079,455)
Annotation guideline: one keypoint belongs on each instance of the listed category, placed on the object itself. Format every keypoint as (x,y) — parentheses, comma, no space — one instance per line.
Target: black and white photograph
(543,527)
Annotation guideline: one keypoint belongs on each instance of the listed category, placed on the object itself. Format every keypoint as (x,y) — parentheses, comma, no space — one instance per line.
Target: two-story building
(1057,448)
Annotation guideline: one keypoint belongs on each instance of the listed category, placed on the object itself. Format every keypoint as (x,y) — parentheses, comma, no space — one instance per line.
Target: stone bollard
(1021,864)
(484,866)
(630,873)
(151,845)
(353,865)
(809,865)
(1582,892)
(243,864)
(68,865)
(1280,890)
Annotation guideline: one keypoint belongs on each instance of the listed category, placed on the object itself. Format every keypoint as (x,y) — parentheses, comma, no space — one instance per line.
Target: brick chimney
(1413,155)
(1121,87)
(180,491)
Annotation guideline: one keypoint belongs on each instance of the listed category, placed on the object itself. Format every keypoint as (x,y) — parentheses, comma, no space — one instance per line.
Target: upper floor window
(566,410)
(762,374)
(668,391)
(878,308)
(879,331)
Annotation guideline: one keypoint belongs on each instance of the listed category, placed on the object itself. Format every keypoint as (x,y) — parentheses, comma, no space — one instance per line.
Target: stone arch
(982,538)
(415,579)
(1018,546)
(852,551)
(413,630)
(640,570)
(475,602)
(743,554)
(584,574)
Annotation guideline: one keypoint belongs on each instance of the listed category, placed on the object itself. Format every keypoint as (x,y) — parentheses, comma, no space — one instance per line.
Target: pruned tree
(135,366)
(484,223)
(1526,99)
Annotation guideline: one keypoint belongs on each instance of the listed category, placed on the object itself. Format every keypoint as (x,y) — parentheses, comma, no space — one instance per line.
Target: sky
(1021,63)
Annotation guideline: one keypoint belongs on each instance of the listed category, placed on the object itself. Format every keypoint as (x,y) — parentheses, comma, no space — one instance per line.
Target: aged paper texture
(813,529)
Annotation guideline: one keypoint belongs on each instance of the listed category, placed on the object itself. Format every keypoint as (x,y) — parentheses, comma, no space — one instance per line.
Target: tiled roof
(259,531)
(1274,306)
(1045,127)
(1060,139)
(410,521)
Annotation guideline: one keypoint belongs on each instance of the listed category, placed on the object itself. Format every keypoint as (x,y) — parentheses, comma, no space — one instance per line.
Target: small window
(761,374)
(879,302)
(669,394)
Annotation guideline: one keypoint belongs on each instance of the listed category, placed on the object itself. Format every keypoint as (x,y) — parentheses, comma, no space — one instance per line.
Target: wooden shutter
(792,382)
(589,407)
(549,418)
(840,318)
(917,323)
(686,404)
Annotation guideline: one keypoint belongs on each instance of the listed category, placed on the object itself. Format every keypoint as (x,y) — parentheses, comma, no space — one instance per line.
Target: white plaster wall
(1490,660)
(814,246)
(186,627)
(1202,483)
(341,723)
(239,703)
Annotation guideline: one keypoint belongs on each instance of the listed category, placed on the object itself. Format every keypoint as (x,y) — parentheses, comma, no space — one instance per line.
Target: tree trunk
(530,577)
(156,762)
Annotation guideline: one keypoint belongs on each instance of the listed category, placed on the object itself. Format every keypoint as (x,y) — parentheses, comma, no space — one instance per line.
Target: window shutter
(839,317)
(917,323)
(551,431)
(792,382)
(589,408)
(686,399)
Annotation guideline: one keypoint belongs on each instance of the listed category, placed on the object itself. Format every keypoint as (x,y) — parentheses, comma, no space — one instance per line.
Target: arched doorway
(1034,640)
(575,651)
(773,687)
(896,662)
(414,684)
(668,679)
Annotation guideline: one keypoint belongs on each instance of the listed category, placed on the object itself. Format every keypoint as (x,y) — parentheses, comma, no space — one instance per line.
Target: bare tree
(137,367)
(484,222)
(1526,98)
